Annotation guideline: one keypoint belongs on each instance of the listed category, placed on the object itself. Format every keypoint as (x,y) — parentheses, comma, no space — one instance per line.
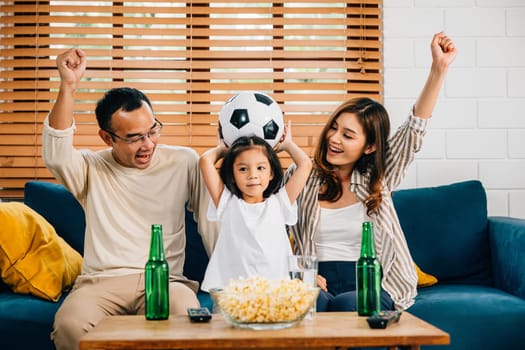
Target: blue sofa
(478,260)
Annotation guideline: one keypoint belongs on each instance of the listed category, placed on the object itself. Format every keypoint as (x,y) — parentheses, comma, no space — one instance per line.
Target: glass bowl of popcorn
(258,303)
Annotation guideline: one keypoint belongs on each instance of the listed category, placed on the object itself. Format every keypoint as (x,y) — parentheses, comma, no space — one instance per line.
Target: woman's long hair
(376,125)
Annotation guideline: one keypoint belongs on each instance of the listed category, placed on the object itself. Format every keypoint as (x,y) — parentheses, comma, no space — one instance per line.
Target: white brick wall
(478,127)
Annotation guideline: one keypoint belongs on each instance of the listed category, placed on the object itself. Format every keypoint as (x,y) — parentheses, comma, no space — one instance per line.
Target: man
(123,190)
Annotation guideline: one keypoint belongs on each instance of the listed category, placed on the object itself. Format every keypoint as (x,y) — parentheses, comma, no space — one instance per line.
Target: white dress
(252,240)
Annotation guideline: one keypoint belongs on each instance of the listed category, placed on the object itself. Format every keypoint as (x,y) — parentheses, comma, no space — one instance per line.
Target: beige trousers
(93,298)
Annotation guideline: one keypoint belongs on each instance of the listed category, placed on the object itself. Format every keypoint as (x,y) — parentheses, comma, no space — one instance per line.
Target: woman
(356,167)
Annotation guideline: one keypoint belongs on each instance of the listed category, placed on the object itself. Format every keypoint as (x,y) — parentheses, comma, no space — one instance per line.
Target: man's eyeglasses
(153,132)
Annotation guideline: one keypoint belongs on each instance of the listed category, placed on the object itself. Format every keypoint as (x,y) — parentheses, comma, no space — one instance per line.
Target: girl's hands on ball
(286,139)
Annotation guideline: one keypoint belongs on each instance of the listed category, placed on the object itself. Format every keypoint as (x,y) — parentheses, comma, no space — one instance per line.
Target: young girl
(253,208)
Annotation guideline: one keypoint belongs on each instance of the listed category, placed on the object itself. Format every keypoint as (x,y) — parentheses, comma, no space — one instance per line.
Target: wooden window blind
(189,57)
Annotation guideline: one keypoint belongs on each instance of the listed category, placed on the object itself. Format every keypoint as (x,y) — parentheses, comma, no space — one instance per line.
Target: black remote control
(382,319)
(199,314)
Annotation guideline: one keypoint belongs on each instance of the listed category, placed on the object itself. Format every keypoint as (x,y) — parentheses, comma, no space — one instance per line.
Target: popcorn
(259,300)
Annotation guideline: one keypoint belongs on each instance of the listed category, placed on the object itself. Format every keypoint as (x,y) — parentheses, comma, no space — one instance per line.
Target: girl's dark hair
(240,145)
(129,99)
(376,125)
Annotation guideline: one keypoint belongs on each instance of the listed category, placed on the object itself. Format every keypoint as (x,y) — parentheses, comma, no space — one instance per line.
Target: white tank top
(338,237)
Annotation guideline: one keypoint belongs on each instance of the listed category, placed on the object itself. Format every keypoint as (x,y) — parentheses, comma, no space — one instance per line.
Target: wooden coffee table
(332,330)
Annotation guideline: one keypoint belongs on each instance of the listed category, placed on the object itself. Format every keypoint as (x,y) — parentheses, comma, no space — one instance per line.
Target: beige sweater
(121,203)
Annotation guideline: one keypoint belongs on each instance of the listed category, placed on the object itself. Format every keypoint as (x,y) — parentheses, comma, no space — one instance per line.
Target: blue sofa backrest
(446,230)
(61,209)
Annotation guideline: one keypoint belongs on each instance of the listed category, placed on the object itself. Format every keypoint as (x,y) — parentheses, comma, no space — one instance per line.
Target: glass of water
(304,267)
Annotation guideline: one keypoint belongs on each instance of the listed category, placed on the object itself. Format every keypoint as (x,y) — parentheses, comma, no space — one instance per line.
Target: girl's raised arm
(210,174)
(295,184)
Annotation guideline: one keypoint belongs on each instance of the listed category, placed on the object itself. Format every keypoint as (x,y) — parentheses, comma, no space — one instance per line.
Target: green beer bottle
(368,275)
(157,275)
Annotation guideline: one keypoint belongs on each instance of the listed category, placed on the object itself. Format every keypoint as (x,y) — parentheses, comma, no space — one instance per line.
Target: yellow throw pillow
(424,279)
(34,259)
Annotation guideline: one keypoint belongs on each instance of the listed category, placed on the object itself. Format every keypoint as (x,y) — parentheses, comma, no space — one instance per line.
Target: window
(189,57)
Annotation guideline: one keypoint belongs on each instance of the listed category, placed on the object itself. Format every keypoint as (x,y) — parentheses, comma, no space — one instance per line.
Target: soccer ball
(251,113)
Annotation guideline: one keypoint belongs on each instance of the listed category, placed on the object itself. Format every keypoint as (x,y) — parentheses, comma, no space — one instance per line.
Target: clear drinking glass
(304,267)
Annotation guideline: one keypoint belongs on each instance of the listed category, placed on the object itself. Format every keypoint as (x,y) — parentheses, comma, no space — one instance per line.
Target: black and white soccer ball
(251,113)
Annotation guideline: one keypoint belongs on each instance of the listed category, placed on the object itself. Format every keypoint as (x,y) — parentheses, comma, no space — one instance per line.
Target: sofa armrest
(507,244)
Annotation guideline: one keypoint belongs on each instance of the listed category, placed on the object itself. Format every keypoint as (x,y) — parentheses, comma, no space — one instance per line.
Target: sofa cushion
(69,221)
(446,230)
(33,258)
(476,317)
(26,321)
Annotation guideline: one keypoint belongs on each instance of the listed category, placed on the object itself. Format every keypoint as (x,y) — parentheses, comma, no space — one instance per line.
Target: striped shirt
(399,274)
